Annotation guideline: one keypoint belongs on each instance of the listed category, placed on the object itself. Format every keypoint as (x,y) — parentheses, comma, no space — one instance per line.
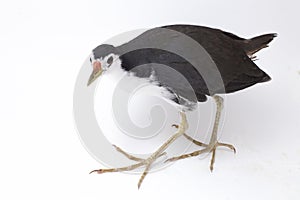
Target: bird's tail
(255,44)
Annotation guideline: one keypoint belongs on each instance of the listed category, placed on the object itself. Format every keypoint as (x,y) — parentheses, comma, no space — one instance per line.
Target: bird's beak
(97,71)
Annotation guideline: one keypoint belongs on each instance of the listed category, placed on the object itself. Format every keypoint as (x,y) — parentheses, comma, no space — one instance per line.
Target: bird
(211,62)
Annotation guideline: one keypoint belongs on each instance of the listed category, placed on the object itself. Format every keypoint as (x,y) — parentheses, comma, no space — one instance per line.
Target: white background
(42,47)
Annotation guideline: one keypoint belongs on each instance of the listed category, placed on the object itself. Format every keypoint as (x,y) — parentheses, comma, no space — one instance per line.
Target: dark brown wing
(237,69)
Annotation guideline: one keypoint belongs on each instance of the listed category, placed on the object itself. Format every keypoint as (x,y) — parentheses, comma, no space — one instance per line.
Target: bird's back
(229,53)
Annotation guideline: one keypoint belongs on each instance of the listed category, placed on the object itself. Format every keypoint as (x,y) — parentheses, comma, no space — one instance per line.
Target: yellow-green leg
(148,161)
(213,143)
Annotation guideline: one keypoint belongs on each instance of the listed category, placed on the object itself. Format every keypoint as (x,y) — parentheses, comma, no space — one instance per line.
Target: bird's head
(101,59)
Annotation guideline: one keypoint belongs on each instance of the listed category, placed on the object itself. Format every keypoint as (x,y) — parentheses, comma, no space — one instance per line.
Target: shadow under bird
(210,62)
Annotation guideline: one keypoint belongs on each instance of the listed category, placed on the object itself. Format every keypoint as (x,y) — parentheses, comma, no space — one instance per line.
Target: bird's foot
(140,162)
(147,163)
(208,148)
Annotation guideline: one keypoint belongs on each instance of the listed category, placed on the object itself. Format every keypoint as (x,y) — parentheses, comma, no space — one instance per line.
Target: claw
(98,171)
(175,125)
(228,146)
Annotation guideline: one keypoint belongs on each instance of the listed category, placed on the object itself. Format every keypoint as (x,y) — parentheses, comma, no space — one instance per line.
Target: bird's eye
(110,60)
(91,60)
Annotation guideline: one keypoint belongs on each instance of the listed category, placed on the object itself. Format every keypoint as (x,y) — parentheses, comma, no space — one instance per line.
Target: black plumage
(230,53)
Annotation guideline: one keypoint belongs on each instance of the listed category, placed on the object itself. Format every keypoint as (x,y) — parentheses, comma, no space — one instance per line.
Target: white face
(101,65)
(105,62)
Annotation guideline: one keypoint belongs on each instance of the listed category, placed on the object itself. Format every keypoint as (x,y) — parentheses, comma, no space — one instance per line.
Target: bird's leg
(148,161)
(131,157)
(127,155)
(196,142)
(213,143)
